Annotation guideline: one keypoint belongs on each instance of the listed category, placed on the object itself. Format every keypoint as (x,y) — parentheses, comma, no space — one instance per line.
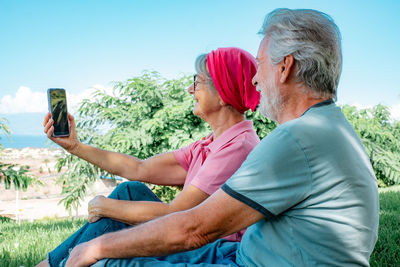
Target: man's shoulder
(315,121)
(311,129)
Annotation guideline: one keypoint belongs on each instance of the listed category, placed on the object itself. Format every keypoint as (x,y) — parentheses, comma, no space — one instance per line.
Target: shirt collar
(320,104)
(228,134)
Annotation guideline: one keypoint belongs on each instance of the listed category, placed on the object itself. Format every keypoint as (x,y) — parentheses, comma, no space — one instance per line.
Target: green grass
(26,244)
(387,249)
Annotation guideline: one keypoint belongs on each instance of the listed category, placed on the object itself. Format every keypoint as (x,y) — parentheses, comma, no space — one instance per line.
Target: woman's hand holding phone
(69,143)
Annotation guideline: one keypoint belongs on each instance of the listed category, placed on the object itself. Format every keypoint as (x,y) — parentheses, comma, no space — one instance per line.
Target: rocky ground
(41,201)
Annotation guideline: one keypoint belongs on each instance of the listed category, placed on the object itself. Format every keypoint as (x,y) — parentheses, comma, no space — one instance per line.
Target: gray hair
(314,40)
(200,65)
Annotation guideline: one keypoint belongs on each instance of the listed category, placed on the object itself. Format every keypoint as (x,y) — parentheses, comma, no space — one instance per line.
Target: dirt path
(33,209)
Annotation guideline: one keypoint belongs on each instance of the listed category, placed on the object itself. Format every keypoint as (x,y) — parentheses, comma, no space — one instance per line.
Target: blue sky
(78,45)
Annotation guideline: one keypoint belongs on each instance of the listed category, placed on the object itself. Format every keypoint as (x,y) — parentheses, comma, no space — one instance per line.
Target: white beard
(271,102)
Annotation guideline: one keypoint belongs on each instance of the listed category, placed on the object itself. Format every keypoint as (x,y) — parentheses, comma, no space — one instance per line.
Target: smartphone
(57,100)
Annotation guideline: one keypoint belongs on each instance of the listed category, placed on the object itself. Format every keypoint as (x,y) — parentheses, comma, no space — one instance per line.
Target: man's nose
(254,80)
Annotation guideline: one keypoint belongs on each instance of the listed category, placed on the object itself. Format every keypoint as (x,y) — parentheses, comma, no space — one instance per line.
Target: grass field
(26,244)
(387,249)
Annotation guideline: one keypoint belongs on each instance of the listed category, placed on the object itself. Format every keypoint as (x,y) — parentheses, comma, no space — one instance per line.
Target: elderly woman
(223,91)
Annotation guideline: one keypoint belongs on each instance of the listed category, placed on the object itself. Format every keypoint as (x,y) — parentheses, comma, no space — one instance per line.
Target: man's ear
(287,67)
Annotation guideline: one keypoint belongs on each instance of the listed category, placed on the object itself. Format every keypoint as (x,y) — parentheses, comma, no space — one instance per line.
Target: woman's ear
(221,102)
(286,68)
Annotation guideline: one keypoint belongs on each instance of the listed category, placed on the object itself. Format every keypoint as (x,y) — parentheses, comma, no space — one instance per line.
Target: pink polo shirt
(210,163)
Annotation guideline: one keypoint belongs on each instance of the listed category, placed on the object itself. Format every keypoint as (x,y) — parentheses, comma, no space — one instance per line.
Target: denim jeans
(219,253)
(134,191)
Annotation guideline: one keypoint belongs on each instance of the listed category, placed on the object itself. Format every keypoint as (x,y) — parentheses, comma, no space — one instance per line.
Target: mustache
(258,89)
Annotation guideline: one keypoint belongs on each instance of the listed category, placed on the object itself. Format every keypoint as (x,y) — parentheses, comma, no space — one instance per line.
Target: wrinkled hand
(94,208)
(70,142)
(85,254)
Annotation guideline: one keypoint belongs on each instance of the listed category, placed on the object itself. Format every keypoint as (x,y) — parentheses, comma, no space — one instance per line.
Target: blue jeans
(134,191)
(219,253)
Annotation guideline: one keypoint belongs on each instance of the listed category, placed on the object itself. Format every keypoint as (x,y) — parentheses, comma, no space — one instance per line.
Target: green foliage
(4,128)
(148,115)
(381,139)
(4,219)
(165,193)
(144,116)
(11,173)
(262,125)
(387,248)
(16,175)
(75,180)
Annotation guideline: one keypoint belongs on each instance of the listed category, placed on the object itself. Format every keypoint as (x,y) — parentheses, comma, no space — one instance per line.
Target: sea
(22,141)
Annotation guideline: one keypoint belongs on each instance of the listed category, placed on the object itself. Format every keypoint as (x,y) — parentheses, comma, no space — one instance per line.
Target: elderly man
(307,192)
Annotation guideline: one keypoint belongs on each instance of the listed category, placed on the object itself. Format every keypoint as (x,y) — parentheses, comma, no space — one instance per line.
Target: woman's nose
(190,89)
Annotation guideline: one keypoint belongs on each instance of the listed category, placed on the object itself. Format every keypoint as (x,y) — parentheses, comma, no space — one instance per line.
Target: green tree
(148,115)
(144,116)
(4,128)
(381,138)
(11,173)
(262,125)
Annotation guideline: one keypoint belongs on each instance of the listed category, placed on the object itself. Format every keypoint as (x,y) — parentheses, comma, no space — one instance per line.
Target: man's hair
(314,40)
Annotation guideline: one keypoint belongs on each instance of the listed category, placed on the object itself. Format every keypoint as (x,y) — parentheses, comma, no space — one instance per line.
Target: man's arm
(218,216)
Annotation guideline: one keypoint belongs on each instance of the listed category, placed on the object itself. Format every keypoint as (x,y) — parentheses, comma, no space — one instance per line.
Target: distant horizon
(2,135)
(22,141)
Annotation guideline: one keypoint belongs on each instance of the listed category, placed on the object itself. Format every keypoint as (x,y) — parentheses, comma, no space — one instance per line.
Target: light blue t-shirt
(314,183)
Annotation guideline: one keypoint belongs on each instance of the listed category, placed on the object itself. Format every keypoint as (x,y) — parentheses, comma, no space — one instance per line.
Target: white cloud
(24,101)
(27,101)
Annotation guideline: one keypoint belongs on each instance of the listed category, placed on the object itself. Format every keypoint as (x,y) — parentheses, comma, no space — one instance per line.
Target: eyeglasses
(196,82)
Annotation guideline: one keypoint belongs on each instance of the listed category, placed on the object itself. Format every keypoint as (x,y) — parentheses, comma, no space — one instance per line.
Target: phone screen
(59,112)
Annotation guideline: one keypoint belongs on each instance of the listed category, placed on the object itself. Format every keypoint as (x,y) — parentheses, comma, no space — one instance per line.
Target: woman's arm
(134,212)
(161,169)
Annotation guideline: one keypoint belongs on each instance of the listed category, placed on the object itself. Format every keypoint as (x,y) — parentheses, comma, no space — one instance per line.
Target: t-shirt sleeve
(220,166)
(184,155)
(275,176)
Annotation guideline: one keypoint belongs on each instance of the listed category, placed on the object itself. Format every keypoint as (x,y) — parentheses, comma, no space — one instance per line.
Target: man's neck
(296,106)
